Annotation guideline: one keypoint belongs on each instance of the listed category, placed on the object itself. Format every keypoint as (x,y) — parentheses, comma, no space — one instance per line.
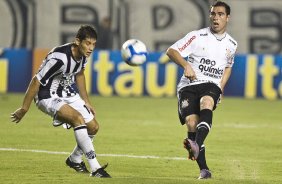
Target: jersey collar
(219,37)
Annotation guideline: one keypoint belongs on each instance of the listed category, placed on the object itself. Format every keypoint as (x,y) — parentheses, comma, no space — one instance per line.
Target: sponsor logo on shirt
(207,68)
(187,43)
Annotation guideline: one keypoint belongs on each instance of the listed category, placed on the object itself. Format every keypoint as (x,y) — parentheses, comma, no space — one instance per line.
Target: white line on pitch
(122,155)
(102,155)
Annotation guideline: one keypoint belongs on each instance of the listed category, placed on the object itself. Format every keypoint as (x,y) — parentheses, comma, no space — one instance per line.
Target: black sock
(201,160)
(204,126)
(191,135)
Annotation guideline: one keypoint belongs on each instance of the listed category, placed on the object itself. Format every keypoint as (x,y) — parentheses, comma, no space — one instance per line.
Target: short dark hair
(86,31)
(220,3)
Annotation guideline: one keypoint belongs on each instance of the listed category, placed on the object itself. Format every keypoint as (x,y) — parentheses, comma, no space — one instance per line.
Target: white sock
(91,137)
(77,153)
(85,143)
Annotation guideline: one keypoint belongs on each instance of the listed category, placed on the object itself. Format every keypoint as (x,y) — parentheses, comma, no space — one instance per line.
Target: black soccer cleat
(192,148)
(78,167)
(101,173)
(205,174)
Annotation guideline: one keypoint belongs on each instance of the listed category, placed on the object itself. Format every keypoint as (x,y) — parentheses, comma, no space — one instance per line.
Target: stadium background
(29,28)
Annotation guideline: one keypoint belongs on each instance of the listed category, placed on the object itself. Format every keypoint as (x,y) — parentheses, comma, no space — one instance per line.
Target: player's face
(86,46)
(218,19)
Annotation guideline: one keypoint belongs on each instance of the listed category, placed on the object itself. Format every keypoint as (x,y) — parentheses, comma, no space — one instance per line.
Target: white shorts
(50,106)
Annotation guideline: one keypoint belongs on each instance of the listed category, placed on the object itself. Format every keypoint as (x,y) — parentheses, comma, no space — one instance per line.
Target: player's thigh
(69,115)
(51,106)
(59,109)
(79,106)
(188,103)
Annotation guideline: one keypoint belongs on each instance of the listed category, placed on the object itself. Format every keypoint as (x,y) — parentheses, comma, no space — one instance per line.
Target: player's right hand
(189,72)
(18,115)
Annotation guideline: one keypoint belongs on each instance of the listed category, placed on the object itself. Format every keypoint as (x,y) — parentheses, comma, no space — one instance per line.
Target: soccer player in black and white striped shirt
(59,90)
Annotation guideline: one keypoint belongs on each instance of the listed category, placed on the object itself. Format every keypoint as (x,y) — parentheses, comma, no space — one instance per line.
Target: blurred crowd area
(255,24)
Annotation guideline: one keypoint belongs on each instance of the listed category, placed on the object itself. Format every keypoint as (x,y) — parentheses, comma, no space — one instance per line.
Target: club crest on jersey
(184,103)
(66,80)
(187,44)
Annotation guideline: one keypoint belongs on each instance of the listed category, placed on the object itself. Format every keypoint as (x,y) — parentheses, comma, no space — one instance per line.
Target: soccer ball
(134,52)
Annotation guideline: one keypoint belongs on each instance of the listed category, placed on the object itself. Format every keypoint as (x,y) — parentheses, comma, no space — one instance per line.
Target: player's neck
(75,53)
(219,35)
(221,32)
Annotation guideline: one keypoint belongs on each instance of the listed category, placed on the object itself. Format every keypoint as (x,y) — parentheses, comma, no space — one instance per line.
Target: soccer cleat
(192,148)
(205,174)
(57,123)
(101,173)
(79,167)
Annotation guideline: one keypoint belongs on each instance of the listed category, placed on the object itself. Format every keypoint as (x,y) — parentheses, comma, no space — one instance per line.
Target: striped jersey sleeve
(48,69)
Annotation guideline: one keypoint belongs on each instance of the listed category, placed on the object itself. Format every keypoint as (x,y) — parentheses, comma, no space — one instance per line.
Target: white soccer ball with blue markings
(134,52)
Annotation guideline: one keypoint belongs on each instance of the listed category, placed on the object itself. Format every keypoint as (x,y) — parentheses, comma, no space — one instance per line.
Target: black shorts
(189,98)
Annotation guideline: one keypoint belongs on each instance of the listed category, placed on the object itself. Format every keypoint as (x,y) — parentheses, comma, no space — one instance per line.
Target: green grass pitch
(141,139)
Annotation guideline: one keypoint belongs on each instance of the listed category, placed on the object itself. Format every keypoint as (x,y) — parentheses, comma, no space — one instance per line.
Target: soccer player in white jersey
(210,53)
(59,90)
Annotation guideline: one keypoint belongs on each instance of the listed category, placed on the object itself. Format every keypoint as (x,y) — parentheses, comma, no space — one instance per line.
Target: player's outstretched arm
(29,96)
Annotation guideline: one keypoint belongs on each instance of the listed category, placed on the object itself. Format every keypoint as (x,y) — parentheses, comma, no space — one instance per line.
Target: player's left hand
(221,95)
(18,115)
(220,99)
(90,108)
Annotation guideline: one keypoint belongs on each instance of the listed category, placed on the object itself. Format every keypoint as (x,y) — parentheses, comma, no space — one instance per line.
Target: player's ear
(228,17)
(77,41)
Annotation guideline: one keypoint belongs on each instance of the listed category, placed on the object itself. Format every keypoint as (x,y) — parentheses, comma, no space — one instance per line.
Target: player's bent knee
(93,130)
(206,102)
(191,121)
(92,127)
